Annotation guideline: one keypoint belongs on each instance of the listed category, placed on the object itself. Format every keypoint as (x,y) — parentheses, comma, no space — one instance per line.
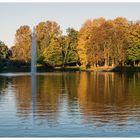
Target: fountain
(33,73)
(33,60)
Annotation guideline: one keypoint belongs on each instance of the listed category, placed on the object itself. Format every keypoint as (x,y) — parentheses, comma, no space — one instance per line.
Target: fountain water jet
(33,74)
(33,59)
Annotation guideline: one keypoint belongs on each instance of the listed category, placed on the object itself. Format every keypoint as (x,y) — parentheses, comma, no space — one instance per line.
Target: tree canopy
(99,42)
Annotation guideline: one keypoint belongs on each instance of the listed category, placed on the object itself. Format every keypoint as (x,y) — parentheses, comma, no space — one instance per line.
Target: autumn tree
(94,49)
(85,34)
(99,42)
(121,26)
(21,51)
(106,43)
(48,44)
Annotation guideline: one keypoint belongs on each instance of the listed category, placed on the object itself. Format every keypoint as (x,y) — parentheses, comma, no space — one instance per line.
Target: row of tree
(109,42)
(99,42)
(53,48)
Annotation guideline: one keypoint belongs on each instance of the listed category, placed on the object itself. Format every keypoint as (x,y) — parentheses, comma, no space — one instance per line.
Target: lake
(70,104)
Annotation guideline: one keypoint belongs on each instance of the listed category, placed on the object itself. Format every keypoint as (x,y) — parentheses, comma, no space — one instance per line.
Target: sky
(14,15)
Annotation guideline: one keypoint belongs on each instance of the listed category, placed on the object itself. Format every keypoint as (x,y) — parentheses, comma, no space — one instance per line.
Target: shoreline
(72,69)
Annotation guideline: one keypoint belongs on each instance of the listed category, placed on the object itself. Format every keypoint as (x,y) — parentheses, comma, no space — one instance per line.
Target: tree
(99,42)
(4,54)
(94,50)
(106,44)
(69,47)
(85,35)
(48,33)
(133,51)
(53,53)
(121,26)
(121,22)
(4,51)
(21,51)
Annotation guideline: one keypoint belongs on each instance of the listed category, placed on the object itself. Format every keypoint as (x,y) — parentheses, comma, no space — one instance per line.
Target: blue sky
(13,15)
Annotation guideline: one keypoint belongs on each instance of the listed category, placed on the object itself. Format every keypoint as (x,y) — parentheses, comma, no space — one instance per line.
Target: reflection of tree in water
(23,94)
(69,83)
(107,97)
(56,91)
(101,97)
(47,96)
(47,99)
(4,83)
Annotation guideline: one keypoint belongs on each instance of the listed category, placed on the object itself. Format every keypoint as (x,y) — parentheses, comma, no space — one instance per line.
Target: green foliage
(4,55)
(53,53)
(133,50)
(48,45)
(69,47)
(4,52)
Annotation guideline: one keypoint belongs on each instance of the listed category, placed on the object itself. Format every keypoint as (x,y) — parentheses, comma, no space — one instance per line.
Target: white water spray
(33,59)
(33,74)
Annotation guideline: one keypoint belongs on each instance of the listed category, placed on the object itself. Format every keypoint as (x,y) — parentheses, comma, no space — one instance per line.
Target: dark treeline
(98,43)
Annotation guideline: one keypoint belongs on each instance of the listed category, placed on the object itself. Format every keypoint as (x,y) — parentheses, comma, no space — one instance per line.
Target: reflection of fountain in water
(33,80)
(33,73)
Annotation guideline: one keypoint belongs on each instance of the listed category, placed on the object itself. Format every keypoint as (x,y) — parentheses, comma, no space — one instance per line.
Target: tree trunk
(97,64)
(122,63)
(94,65)
(106,63)
(134,63)
(113,62)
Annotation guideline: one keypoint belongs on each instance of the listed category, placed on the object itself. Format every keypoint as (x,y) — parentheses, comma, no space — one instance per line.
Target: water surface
(75,104)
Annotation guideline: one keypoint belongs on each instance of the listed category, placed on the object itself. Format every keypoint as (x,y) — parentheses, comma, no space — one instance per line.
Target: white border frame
(71,1)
